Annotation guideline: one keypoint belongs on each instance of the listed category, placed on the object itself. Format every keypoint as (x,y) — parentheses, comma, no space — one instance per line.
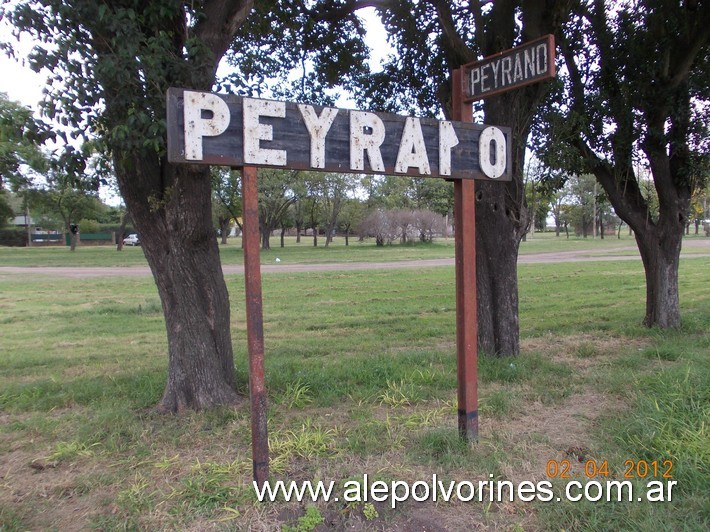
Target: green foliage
(13,237)
(414,79)
(66,202)
(369,511)
(297,395)
(307,522)
(307,441)
(634,89)
(675,408)
(227,199)
(88,226)
(6,210)
(287,50)
(276,195)
(69,450)
(399,394)
(21,137)
(96,48)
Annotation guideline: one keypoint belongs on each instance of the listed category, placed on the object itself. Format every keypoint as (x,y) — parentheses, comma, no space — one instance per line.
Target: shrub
(89,226)
(13,237)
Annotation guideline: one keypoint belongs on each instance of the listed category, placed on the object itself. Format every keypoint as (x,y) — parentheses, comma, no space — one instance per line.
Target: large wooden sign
(208,128)
(511,69)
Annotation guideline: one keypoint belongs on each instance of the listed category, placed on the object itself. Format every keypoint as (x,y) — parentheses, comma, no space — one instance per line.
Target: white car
(131,240)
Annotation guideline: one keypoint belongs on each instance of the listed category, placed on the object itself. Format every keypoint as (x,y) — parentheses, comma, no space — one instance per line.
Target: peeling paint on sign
(206,128)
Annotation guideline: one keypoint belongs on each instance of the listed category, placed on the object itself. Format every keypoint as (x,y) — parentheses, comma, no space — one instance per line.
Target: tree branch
(462,53)
(327,11)
(220,23)
(686,53)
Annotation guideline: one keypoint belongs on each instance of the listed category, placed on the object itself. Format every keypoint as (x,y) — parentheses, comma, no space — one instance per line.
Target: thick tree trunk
(224,230)
(501,220)
(183,254)
(496,272)
(170,204)
(73,238)
(659,242)
(265,237)
(661,257)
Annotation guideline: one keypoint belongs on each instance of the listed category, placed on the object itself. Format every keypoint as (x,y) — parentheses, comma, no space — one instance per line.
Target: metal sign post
(466,294)
(255,326)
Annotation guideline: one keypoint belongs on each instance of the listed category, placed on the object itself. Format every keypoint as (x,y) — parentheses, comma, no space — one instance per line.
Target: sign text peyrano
(207,128)
(528,63)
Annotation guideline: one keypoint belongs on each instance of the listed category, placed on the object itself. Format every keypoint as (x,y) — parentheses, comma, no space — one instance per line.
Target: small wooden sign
(208,128)
(510,69)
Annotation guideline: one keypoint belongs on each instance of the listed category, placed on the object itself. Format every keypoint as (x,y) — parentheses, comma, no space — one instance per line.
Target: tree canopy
(634,96)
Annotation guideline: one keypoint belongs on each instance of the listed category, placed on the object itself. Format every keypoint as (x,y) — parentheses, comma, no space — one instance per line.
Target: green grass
(305,253)
(360,370)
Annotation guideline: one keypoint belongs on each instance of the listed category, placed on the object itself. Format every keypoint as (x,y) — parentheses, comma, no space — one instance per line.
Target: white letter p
(197,127)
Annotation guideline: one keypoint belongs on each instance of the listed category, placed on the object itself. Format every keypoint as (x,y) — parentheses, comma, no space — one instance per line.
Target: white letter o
(497,168)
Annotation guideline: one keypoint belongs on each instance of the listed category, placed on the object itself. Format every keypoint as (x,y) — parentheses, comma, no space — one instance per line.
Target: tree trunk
(265,237)
(502,217)
(73,239)
(122,230)
(224,230)
(183,254)
(28,225)
(496,272)
(661,257)
(283,234)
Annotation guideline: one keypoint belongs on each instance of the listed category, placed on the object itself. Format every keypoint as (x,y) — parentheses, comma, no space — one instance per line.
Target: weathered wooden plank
(233,131)
(510,69)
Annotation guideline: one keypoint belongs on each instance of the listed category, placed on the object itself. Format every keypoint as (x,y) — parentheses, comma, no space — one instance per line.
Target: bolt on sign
(510,69)
(208,128)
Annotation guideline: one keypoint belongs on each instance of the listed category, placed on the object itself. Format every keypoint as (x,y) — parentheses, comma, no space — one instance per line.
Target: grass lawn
(305,253)
(361,375)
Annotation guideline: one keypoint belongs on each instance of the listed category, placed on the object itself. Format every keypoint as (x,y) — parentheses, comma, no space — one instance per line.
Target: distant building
(23,221)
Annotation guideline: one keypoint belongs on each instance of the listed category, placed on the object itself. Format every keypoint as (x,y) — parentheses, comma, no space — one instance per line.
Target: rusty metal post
(255,326)
(466,294)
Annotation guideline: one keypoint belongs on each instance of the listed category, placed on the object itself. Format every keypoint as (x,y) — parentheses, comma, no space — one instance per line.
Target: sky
(18,81)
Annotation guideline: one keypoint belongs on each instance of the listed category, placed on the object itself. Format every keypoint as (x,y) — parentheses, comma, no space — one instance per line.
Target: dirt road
(584,255)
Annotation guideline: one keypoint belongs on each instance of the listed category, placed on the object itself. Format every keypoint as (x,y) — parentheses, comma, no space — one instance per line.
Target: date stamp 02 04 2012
(632,469)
